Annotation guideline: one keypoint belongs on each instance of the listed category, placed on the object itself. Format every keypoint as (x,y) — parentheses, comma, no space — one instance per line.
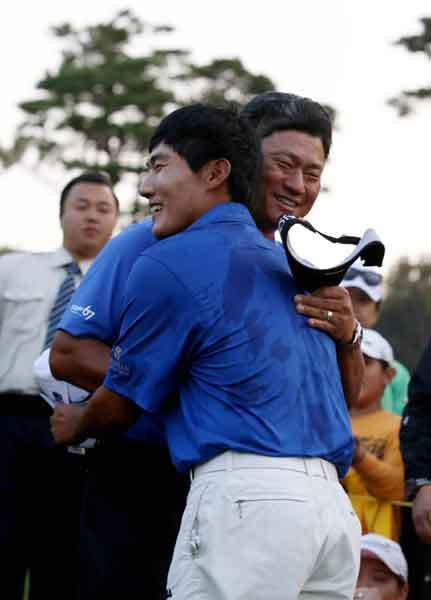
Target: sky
(339,52)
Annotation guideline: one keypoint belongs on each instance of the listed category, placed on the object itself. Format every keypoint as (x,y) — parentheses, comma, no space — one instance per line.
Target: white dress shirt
(28,287)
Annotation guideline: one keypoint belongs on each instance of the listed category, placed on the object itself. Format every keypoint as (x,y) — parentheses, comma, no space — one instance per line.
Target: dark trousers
(133,503)
(40,501)
(418,556)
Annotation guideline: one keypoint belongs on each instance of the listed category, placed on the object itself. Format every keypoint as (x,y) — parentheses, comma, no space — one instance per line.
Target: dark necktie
(64,294)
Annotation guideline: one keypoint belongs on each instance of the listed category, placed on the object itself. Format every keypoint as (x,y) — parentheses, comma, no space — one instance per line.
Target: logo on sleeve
(83,311)
(118,367)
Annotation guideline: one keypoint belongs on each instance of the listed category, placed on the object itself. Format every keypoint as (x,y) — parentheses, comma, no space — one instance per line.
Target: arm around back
(81,361)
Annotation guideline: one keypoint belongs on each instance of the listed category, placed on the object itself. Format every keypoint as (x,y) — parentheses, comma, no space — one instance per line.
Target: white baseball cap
(374,345)
(386,550)
(367,280)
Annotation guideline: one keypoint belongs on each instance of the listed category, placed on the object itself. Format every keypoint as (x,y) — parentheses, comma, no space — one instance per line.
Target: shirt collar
(61,257)
(228,212)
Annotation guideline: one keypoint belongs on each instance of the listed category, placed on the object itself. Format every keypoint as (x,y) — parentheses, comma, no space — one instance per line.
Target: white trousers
(265,528)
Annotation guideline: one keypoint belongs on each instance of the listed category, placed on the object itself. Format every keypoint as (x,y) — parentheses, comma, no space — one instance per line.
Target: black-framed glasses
(370,277)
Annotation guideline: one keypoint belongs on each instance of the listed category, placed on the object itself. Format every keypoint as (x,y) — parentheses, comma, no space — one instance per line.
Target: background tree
(421,43)
(406,312)
(98,109)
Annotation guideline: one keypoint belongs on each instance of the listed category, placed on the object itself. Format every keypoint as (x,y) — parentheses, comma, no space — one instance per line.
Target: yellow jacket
(379,478)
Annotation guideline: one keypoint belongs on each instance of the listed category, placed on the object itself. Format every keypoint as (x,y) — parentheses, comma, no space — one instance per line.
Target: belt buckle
(77,450)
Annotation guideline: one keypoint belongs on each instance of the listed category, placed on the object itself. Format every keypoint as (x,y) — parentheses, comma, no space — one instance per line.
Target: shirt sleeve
(384,478)
(95,307)
(159,332)
(8,263)
(2,287)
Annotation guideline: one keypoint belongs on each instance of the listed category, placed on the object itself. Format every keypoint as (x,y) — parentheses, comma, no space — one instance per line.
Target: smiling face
(293,162)
(88,218)
(177,195)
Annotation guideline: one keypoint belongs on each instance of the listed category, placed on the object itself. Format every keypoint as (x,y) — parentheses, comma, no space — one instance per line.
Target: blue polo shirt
(95,308)
(219,324)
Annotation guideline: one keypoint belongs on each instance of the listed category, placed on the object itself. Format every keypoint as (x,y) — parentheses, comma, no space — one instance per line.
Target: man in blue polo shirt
(261,419)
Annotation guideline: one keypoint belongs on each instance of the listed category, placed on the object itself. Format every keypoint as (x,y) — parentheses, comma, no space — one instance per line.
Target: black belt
(13,404)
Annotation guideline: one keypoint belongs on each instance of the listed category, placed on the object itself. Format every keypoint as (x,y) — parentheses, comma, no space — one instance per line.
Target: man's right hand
(65,423)
(421,513)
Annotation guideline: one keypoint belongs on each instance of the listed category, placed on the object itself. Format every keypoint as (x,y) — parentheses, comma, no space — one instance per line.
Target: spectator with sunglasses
(365,289)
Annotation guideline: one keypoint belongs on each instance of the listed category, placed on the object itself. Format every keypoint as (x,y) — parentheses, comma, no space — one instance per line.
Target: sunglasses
(370,277)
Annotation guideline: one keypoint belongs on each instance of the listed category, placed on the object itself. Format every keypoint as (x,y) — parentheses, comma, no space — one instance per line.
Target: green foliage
(406,312)
(226,80)
(98,109)
(405,101)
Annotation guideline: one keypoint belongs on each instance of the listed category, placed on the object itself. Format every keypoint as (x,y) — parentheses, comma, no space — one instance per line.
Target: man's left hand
(329,309)
(65,423)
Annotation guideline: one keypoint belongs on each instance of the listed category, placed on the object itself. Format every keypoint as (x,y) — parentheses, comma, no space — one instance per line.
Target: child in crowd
(383,570)
(366,292)
(377,474)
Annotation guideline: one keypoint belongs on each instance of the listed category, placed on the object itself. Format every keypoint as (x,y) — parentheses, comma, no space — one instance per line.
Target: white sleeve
(54,390)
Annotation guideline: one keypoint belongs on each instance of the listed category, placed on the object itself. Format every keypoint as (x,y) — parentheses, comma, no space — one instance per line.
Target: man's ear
(390,373)
(216,172)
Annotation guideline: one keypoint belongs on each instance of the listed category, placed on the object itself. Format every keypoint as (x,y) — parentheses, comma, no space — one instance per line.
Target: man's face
(375,574)
(89,216)
(293,162)
(365,309)
(176,194)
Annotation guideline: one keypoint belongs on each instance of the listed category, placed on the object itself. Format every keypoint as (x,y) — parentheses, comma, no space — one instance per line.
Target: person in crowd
(225,314)
(383,572)
(415,441)
(296,138)
(377,475)
(39,482)
(365,288)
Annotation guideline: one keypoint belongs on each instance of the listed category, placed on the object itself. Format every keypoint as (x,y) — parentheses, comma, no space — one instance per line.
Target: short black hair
(278,111)
(200,133)
(87,177)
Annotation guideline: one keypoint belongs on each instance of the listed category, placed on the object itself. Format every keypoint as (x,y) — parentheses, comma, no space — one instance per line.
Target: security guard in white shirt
(40,484)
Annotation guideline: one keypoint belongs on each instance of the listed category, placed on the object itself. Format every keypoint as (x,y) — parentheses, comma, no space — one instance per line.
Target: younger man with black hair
(127,534)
